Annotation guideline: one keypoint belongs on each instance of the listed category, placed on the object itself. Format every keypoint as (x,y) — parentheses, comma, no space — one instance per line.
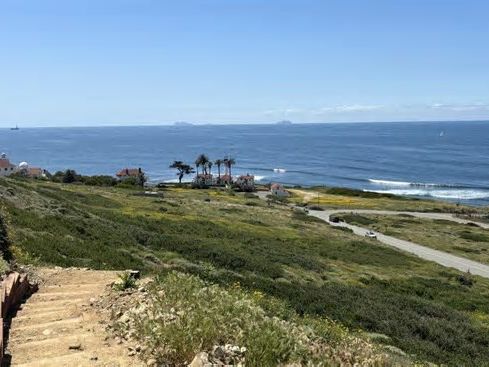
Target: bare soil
(58,325)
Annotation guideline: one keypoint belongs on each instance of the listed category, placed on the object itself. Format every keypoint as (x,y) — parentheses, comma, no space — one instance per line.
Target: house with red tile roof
(245,182)
(32,172)
(277,189)
(129,172)
(6,167)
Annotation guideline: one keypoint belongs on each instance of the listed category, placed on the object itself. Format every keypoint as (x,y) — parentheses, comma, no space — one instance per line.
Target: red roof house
(129,172)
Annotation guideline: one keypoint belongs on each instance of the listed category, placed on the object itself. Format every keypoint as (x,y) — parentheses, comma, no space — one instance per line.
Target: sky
(130,62)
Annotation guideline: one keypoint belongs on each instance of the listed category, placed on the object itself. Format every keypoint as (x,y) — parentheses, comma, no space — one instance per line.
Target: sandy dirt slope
(58,327)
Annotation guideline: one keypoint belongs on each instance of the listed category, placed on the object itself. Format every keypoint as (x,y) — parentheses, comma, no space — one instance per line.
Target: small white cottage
(277,189)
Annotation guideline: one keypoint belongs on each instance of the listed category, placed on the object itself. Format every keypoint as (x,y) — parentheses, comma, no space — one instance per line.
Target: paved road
(445,216)
(424,252)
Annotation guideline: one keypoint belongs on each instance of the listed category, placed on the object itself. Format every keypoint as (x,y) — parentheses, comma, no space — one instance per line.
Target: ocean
(441,160)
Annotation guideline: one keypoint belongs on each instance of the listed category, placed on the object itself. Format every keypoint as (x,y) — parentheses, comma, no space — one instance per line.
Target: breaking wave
(439,194)
(388,183)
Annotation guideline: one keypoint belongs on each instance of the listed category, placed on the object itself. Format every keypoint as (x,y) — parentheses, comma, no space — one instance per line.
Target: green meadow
(229,238)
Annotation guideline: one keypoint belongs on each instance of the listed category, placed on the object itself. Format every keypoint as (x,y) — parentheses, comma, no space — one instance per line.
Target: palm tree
(202,160)
(230,162)
(183,169)
(218,163)
(209,165)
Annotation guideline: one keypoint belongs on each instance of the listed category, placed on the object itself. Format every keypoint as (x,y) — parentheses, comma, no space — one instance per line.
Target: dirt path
(58,327)
(424,252)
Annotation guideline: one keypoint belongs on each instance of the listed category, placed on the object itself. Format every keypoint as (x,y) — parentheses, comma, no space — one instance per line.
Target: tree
(141,177)
(69,176)
(209,165)
(218,163)
(202,161)
(183,169)
(229,163)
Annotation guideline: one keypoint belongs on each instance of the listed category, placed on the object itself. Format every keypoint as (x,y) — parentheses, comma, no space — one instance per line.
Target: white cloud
(351,108)
(461,107)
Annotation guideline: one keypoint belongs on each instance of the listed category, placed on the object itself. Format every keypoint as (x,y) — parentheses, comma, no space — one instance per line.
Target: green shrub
(186,315)
(99,180)
(475,237)
(129,182)
(126,281)
(357,219)
(344,229)
(5,252)
(466,279)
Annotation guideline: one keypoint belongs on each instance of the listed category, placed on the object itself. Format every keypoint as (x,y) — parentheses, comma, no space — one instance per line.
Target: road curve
(424,252)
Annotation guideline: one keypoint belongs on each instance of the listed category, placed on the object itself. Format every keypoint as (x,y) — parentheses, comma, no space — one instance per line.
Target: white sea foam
(259,178)
(389,183)
(440,194)
(279,170)
(404,183)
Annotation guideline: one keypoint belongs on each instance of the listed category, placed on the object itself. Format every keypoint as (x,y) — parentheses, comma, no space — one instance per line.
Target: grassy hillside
(464,240)
(336,197)
(226,238)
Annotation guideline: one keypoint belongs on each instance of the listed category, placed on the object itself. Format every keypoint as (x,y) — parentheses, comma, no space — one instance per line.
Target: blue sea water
(443,160)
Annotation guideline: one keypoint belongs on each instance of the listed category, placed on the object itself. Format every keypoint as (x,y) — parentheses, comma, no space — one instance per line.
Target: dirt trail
(58,327)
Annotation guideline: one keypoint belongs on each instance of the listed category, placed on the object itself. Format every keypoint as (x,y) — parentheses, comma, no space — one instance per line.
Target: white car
(370,234)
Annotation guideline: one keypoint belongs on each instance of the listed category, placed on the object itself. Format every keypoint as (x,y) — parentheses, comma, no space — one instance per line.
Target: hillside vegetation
(338,197)
(228,238)
(466,240)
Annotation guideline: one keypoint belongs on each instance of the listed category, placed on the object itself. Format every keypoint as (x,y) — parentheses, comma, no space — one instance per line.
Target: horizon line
(198,124)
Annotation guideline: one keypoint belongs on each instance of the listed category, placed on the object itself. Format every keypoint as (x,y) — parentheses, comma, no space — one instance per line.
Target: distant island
(182,123)
(284,122)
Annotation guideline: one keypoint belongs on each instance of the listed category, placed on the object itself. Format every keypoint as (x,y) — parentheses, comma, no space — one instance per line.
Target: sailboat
(15,128)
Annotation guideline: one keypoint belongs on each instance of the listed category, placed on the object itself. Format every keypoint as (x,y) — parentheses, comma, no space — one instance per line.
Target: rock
(151,362)
(219,352)
(47,332)
(395,350)
(200,360)
(125,318)
(92,301)
(75,346)
(131,353)
(136,274)
(94,358)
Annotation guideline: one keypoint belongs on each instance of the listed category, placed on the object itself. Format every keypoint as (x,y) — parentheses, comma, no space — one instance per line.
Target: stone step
(40,305)
(46,316)
(73,359)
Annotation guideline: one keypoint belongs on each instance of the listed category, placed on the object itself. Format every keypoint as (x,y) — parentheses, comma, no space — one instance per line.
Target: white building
(32,172)
(6,168)
(278,190)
